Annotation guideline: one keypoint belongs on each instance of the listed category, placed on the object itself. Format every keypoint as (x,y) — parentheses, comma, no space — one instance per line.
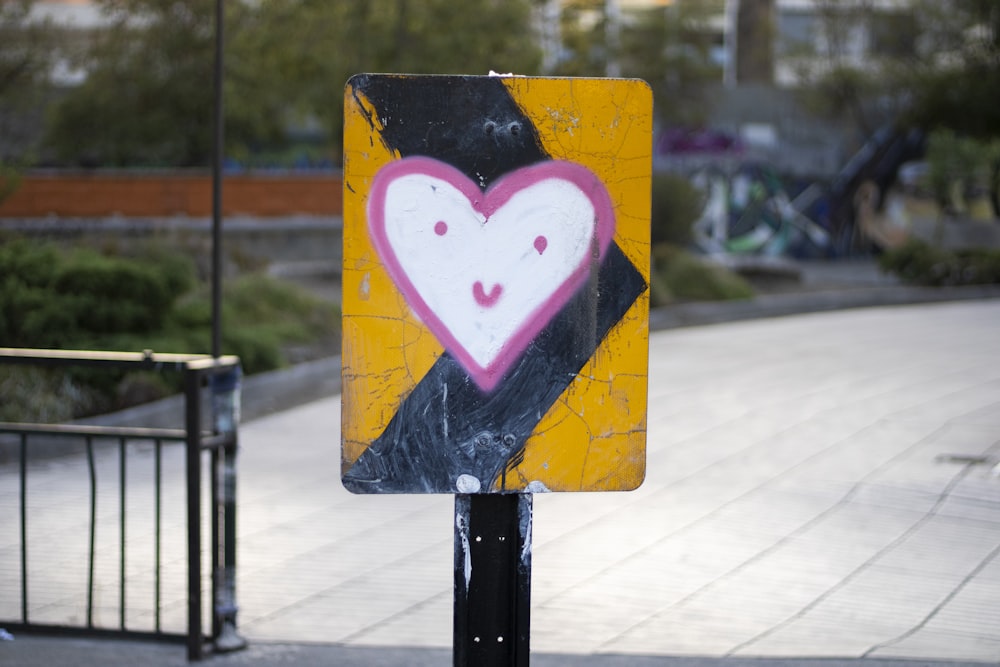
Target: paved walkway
(818,486)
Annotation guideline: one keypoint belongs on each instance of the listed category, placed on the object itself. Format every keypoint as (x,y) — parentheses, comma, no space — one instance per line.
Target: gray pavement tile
(937,645)
(796,504)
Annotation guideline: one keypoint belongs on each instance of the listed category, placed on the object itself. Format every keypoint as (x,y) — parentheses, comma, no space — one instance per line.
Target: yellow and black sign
(495,284)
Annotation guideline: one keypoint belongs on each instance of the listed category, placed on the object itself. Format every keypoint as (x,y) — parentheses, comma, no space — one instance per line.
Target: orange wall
(89,195)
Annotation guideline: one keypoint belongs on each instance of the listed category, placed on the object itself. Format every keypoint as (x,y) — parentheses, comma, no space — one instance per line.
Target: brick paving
(818,486)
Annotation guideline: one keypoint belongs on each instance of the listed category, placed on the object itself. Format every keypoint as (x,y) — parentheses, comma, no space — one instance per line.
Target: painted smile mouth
(482,298)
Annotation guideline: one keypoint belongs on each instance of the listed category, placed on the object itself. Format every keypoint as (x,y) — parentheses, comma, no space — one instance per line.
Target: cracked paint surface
(591,435)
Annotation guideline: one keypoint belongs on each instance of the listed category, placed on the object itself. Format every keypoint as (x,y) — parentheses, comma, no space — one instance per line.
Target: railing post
(192,425)
(24,527)
(226,413)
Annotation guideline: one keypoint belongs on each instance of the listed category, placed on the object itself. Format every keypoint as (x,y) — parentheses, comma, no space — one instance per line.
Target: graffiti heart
(487,270)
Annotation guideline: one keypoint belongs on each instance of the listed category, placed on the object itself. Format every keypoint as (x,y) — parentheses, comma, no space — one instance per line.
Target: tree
(841,73)
(148,96)
(754,41)
(311,47)
(26,52)
(936,68)
(956,85)
(669,47)
(955,82)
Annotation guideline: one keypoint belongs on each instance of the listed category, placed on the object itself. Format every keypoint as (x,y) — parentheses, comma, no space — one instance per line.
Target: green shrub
(681,276)
(10,180)
(46,395)
(33,264)
(148,299)
(919,263)
(177,270)
(676,205)
(959,167)
(113,294)
(26,274)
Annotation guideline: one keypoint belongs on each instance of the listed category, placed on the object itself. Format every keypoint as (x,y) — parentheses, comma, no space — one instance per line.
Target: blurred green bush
(675,206)
(919,263)
(677,275)
(147,298)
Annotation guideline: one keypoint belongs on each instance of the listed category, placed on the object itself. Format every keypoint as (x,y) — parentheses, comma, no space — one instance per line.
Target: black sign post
(492,580)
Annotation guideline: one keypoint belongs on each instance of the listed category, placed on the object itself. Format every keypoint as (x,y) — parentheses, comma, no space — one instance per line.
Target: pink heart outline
(487,203)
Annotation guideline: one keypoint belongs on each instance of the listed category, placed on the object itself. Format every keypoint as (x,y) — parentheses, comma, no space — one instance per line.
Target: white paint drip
(526,549)
(463,534)
(444,411)
(468,484)
(364,291)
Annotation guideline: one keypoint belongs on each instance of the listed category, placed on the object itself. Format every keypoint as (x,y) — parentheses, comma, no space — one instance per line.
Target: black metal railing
(209,432)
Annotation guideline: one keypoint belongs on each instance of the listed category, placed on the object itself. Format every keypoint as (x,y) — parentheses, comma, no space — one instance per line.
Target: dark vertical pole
(215,543)
(492,580)
(228,639)
(217,154)
(93,531)
(158,476)
(225,403)
(192,425)
(218,150)
(122,520)
(24,528)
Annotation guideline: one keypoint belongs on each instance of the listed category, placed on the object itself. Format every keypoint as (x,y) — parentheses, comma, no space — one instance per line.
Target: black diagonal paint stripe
(472,123)
(446,426)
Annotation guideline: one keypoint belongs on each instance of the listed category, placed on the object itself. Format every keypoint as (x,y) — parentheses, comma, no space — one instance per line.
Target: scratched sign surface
(495,284)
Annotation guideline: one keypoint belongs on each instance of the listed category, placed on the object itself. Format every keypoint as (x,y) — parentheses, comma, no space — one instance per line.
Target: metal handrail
(220,444)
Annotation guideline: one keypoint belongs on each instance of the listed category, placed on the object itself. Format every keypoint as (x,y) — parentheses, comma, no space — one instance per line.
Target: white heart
(486,271)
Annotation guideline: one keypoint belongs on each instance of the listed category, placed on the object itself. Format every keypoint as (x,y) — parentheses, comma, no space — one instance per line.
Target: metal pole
(217,154)
(612,38)
(192,411)
(227,638)
(122,523)
(215,544)
(226,407)
(24,528)
(492,580)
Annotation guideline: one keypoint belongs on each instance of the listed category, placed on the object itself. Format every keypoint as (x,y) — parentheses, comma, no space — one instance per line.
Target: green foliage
(929,64)
(149,92)
(956,84)
(26,274)
(920,263)
(148,96)
(50,299)
(261,317)
(28,47)
(45,395)
(959,168)
(669,48)
(147,300)
(680,276)
(676,205)
(99,293)
(307,50)
(10,179)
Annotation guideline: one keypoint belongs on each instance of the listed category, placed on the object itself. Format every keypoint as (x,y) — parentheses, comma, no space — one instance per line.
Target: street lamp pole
(217,153)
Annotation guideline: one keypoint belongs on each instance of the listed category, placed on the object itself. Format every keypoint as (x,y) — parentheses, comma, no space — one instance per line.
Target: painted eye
(441,228)
(541,243)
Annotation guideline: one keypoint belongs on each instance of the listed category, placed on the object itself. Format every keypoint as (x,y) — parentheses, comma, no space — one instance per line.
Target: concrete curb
(797,303)
(277,390)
